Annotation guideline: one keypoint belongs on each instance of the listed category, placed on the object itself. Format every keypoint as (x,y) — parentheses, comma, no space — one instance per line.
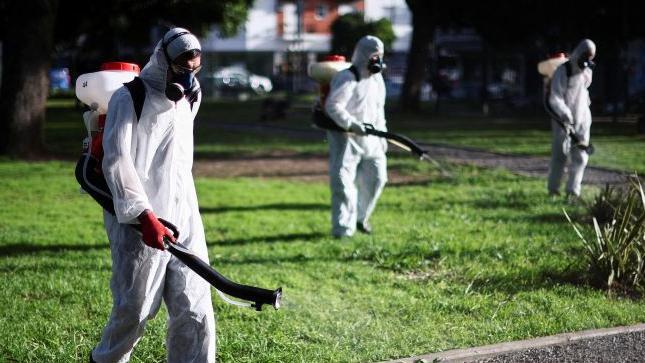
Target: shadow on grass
(411,183)
(18,249)
(380,258)
(263,207)
(532,280)
(269,239)
(497,203)
(523,278)
(543,218)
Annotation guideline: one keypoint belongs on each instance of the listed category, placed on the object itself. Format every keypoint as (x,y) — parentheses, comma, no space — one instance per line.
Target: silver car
(239,79)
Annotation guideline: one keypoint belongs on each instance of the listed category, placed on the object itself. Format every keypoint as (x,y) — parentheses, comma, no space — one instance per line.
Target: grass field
(481,259)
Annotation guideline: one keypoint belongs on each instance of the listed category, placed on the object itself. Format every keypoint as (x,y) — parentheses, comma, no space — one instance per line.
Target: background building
(280,39)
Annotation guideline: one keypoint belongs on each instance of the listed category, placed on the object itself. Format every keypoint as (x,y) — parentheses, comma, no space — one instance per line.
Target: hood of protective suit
(584,47)
(155,71)
(366,47)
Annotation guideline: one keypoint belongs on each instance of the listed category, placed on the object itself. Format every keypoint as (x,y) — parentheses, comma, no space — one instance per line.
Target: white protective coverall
(357,164)
(147,165)
(569,101)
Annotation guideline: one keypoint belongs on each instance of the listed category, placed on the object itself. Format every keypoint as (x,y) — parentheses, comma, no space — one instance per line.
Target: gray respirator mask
(375,64)
(586,62)
(181,83)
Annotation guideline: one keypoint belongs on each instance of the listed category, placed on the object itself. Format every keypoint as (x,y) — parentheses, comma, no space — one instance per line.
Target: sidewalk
(621,344)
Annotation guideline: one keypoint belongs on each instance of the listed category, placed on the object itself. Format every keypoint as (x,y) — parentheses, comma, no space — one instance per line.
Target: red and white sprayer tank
(95,90)
(548,66)
(324,71)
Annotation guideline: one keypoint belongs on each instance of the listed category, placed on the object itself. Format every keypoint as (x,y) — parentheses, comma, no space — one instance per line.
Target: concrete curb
(488,351)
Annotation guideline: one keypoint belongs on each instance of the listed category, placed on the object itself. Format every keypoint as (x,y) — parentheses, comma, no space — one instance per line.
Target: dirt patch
(313,168)
(310,168)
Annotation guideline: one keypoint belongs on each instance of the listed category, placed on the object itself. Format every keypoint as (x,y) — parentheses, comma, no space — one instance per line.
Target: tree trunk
(415,74)
(26,59)
(485,77)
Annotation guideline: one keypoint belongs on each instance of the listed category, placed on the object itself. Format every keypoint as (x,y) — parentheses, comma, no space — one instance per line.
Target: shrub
(603,205)
(615,247)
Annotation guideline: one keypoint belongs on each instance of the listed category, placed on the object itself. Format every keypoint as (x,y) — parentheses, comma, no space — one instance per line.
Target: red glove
(153,231)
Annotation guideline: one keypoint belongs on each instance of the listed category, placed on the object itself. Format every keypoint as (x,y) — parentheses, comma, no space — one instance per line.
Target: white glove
(358,128)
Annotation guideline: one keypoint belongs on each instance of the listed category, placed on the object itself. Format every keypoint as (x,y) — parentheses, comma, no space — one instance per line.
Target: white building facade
(284,36)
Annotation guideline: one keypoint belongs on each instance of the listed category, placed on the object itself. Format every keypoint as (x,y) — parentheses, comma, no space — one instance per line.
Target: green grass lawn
(618,146)
(481,259)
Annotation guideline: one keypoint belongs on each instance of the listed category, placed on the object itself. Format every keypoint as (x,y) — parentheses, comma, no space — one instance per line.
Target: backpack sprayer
(323,72)
(547,69)
(95,90)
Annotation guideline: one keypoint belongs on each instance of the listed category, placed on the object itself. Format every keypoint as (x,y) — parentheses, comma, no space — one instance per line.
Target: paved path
(621,344)
(521,164)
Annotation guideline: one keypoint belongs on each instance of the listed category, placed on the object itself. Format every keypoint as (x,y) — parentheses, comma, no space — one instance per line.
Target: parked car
(239,79)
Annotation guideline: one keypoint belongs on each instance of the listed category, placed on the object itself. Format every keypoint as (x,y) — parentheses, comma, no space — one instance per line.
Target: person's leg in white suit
(137,286)
(371,178)
(579,159)
(558,158)
(191,322)
(143,276)
(342,179)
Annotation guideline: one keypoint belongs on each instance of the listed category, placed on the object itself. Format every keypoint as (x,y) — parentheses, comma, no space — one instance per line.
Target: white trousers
(141,278)
(578,158)
(356,184)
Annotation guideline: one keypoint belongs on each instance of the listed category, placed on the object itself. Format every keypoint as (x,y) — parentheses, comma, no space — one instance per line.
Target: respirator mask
(375,64)
(181,82)
(586,62)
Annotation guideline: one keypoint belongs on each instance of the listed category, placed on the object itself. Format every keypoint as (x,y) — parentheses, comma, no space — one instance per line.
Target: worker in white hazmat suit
(568,104)
(357,162)
(147,166)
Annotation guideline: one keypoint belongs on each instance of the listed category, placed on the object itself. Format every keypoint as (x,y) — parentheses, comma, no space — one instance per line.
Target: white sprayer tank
(324,71)
(548,66)
(95,89)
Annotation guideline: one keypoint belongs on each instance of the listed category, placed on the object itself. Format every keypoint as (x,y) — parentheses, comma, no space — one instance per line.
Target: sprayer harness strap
(355,72)
(138,93)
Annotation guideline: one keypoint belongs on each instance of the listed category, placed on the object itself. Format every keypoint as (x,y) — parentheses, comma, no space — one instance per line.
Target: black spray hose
(415,148)
(258,296)
(324,122)
(406,143)
(589,149)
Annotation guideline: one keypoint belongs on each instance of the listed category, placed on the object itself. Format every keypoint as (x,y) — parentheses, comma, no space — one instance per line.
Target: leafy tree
(31,33)
(349,28)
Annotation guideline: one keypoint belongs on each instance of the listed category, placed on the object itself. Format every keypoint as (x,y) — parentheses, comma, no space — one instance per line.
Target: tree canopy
(349,28)
(32,33)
